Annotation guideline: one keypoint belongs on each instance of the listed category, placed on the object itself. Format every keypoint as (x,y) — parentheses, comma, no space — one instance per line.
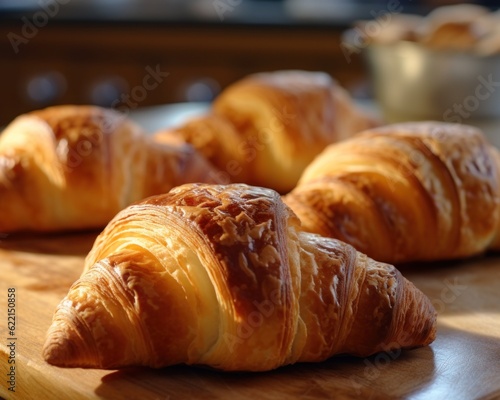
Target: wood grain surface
(463,363)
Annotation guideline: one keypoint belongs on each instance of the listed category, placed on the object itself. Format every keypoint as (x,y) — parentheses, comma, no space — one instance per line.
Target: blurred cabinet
(142,64)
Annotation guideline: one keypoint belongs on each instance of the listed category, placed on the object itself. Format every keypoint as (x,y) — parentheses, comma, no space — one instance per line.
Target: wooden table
(463,363)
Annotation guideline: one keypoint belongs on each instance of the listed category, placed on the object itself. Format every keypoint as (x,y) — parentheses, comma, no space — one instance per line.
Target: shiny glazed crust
(220,276)
(264,129)
(75,167)
(404,192)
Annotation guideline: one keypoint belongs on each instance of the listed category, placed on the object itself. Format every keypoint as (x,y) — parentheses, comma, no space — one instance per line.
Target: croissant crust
(405,192)
(74,167)
(221,275)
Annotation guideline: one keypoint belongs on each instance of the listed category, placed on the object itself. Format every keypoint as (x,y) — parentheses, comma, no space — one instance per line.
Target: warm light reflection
(481,322)
(412,61)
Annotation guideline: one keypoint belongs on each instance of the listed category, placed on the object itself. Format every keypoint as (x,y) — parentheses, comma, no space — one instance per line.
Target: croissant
(266,128)
(405,192)
(221,276)
(75,167)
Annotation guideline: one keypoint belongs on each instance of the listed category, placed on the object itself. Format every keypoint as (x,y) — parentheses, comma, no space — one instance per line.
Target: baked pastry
(454,27)
(219,275)
(490,43)
(217,139)
(405,192)
(393,28)
(266,128)
(75,167)
(465,28)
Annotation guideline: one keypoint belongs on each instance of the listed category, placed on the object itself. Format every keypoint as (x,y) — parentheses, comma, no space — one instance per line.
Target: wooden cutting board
(463,363)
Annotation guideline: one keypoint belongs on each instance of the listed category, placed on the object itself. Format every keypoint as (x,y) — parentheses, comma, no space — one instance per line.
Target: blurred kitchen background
(141,53)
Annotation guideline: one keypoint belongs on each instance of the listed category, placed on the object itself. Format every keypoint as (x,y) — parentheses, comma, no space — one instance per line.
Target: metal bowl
(412,82)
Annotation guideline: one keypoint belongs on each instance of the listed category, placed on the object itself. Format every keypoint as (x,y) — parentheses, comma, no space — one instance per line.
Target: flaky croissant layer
(74,167)
(221,276)
(264,129)
(405,192)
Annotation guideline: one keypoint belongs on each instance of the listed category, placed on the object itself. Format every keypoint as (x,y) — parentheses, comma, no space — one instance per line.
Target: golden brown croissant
(214,137)
(405,192)
(218,275)
(266,128)
(75,167)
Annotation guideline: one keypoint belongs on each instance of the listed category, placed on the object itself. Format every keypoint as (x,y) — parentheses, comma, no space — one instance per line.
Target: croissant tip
(59,350)
(52,355)
(424,321)
(64,347)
